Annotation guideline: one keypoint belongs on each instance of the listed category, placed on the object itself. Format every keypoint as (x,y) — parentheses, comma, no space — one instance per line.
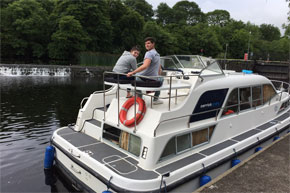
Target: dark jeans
(156,94)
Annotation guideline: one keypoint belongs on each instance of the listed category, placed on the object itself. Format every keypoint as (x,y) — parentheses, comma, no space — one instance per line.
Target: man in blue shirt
(151,65)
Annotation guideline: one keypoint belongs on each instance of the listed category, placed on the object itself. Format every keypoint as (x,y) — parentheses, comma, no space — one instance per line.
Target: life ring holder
(139,115)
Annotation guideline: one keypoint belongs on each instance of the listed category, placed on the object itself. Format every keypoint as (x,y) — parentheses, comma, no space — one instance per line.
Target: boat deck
(107,155)
(252,176)
(128,167)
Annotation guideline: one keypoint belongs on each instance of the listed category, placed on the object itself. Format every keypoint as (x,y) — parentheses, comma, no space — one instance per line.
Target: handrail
(135,91)
(101,91)
(81,104)
(218,110)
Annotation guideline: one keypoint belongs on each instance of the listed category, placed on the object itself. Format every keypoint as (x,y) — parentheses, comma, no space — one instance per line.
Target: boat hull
(85,179)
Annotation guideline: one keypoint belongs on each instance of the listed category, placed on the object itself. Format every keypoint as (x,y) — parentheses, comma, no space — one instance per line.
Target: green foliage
(77,30)
(142,7)
(164,14)
(269,32)
(97,59)
(93,17)
(166,43)
(23,29)
(68,40)
(218,17)
(186,12)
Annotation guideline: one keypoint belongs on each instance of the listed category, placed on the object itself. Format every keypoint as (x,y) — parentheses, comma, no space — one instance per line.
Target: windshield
(190,61)
(203,65)
(212,66)
(169,62)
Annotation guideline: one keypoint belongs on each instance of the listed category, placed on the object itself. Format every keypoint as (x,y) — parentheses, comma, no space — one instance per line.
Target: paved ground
(265,171)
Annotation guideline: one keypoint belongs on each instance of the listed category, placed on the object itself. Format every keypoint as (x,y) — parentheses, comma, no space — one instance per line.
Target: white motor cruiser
(207,120)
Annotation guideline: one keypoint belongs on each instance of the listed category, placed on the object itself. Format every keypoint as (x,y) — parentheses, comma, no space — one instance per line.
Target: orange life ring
(139,115)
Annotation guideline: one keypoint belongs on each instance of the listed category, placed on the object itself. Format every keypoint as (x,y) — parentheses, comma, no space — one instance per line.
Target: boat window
(212,67)
(183,142)
(268,92)
(189,140)
(257,96)
(170,148)
(123,139)
(245,98)
(190,62)
(112,134)
(134,145)
(232,104)
(284,106)
(168,63)
(201,136)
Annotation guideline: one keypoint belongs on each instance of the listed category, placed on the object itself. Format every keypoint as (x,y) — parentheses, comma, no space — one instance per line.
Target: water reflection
(31,109)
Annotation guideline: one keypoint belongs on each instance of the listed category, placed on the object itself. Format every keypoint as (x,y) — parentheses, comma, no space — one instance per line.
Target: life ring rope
(139,115)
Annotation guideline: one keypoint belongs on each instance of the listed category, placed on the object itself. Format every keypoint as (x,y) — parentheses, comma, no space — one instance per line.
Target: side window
(268,92)
(134,145)
(201,136)
(257,96)
(124,140)
(183,142)
(245,98)
(232,104)
(170,148)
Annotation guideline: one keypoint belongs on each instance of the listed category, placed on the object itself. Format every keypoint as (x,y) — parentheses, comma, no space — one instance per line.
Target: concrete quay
(265,171)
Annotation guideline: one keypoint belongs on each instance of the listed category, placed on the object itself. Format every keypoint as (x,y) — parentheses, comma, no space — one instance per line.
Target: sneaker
(157,102)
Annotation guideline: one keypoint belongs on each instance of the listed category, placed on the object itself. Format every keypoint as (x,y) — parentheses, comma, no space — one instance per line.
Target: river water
(31,109)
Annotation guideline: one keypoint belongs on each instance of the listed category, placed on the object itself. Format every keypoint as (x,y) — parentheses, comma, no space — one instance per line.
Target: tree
(68,40)
(289,11)
(93,17)
(186,12)
(287,29)
(279,49)
(164,14)
(165,42)
(270,32)
(142,7)
(127,26)
(24,29)
(239,43)
(132,25)
(218,17)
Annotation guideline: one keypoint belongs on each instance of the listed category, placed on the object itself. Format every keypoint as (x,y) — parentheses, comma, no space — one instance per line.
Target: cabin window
(201,136)
(284,106)
(257,96)
(134,145)
(184,142)
(123,139)
(245,98)
(170,148)
(232,105)
(268,92)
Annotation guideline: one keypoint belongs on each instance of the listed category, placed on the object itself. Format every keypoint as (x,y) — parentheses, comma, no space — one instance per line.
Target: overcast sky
(256,11)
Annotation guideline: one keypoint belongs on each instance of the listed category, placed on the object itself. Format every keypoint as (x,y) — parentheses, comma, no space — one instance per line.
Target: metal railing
(136,92)
(222,109)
